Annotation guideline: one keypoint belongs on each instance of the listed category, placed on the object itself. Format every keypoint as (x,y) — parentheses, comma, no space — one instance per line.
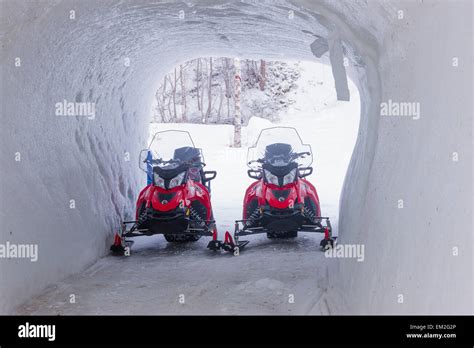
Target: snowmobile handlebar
(171,161)
(300,154)
(260,160)
(292,157)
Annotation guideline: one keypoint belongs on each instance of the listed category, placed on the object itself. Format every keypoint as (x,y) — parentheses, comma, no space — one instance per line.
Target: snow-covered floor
(270,276)
(263,280)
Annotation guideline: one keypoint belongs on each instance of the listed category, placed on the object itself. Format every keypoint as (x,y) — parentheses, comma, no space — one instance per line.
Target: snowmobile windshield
(173,147)
(279,147)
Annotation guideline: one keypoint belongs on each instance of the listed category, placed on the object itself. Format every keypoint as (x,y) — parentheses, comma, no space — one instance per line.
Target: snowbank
(78,174)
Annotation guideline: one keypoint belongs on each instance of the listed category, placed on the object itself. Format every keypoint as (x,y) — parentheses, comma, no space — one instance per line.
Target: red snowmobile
(281,202)
(176,201)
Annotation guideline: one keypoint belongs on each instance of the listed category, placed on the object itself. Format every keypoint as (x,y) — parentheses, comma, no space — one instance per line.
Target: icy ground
(268,274)
(259,281)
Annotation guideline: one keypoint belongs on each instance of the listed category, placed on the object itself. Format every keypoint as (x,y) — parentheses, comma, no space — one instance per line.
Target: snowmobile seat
(278,152)
(192,156)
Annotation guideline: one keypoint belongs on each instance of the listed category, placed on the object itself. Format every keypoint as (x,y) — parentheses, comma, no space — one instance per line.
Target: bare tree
(160,106)
(237,114)
(262,74)
(164,89)
(203,87)
(184,117)
(220,104)
(209,92)
(227,82)
(198,63)
(246,74)
(170,119)
(218,93)
(163,100)
(175,116)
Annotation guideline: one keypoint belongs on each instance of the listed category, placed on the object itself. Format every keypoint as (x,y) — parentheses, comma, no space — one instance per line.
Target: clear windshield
(171,145)
(163,144)
(279,146)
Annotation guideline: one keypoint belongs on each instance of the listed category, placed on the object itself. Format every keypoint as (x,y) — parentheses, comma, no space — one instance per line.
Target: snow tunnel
(65,182)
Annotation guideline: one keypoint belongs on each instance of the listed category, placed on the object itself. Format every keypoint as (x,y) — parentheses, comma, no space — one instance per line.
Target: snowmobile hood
(280,170)
(170,171)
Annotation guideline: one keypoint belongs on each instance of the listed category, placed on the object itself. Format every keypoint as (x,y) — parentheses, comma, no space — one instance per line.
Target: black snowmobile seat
(188,154)
(278,151)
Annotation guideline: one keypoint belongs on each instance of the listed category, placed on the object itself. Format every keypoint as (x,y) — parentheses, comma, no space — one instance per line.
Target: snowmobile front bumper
(198,231)
(192,228)
(248,227)
(161,222)
(243,227)
(277,220)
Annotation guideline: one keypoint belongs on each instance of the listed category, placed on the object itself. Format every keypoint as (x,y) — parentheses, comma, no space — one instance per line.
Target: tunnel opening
(198,96)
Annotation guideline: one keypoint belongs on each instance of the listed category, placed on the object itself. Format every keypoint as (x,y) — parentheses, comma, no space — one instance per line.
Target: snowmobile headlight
(290,177)
(177,180)
(159,181)
(271,178)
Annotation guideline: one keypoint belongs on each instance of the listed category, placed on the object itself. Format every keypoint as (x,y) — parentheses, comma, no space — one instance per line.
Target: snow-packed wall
(65,181)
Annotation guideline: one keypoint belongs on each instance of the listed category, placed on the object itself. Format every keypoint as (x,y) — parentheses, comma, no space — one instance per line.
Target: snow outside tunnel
(66,182)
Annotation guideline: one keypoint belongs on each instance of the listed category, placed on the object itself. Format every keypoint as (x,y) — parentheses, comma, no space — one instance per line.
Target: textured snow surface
(259,281)
(408,251)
